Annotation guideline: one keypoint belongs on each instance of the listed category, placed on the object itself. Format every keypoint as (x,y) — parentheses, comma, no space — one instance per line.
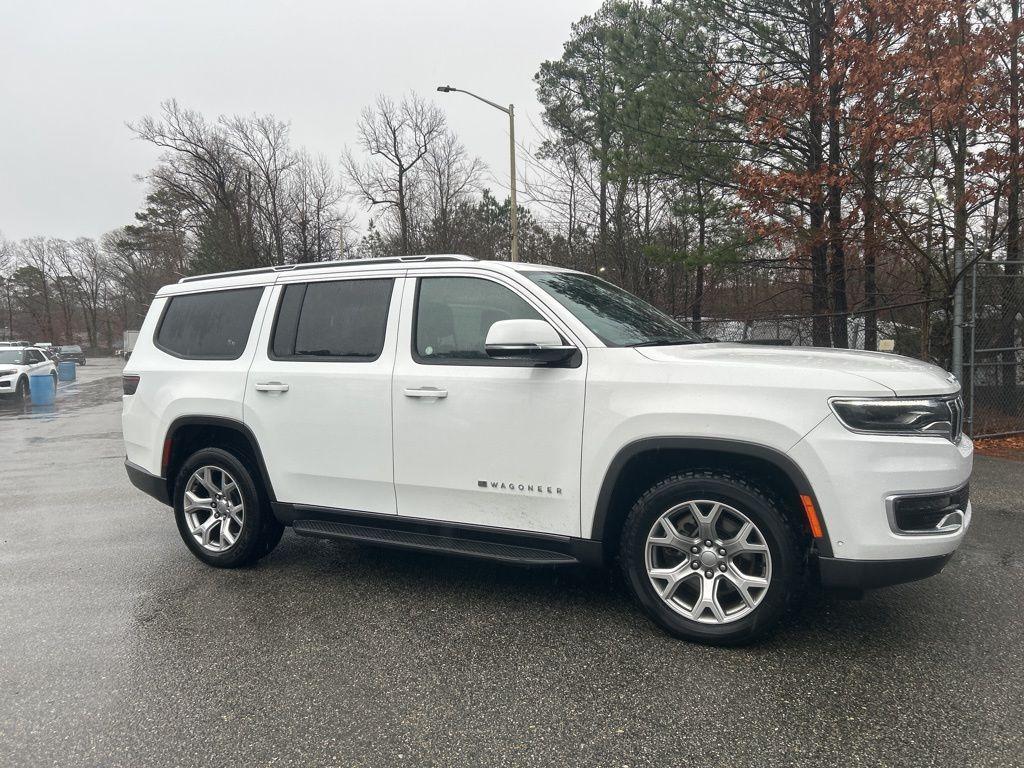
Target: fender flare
(773,456)
(226,423)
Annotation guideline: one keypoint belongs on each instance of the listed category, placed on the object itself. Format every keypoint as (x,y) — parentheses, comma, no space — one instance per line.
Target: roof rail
(325,264)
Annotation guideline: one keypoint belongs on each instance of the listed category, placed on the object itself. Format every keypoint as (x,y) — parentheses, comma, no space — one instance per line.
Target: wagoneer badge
(497,485)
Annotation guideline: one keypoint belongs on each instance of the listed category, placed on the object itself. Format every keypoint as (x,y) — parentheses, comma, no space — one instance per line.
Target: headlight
(10,372)
(929,416)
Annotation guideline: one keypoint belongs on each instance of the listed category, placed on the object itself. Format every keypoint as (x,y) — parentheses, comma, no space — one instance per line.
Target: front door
(483,441)
(318,395)
(38,361)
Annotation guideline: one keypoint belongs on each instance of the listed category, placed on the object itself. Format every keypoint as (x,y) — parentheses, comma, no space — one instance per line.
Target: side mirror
(527,340)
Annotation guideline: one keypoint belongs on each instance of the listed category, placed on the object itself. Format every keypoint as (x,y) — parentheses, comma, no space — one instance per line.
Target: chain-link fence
(994,349)
(993,330)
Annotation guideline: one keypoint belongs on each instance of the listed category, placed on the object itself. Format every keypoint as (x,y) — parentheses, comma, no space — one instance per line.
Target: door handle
(271,386)
(437,394)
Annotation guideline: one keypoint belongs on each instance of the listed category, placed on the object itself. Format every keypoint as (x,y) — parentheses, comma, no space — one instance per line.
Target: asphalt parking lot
(117,647)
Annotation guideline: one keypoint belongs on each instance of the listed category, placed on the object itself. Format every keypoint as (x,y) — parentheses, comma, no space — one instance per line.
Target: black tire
(21,391)
(260,531)
(762,508)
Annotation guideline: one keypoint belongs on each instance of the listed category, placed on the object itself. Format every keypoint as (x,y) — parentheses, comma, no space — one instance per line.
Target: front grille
(921,514)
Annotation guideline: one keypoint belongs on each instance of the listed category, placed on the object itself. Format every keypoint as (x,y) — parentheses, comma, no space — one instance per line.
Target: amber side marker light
(812,516)
(165,458)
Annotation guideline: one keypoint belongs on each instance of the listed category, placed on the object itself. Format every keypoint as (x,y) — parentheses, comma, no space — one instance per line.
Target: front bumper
(8,384)
(857,575)
(855,478)
(153,485)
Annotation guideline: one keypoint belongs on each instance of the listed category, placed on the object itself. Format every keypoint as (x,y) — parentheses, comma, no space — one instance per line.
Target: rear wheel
(221,514)
(711,557)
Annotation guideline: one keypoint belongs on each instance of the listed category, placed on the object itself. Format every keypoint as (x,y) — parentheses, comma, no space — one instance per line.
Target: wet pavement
(118,648)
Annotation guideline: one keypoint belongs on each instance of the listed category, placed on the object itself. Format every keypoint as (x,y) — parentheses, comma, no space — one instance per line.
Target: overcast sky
(73,72)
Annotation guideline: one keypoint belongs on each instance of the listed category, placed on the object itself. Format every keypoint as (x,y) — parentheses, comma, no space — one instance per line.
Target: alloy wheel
(708,561)
(214,508)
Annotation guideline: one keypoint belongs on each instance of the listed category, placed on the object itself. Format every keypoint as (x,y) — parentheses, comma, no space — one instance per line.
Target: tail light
(129,384)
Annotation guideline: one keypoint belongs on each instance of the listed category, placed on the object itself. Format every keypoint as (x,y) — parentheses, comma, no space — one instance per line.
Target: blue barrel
(67,370)
(43,388)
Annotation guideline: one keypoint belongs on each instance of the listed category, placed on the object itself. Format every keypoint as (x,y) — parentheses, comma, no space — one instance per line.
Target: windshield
(12,356)
(615,316)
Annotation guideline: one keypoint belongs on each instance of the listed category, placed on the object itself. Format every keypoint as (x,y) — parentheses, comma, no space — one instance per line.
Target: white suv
(537,415)
(18,364)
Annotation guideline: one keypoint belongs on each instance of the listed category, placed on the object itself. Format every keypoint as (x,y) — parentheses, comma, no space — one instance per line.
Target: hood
(903,375)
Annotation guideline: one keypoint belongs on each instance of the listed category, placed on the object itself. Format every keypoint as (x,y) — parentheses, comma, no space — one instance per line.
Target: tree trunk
(698,282)
(1011,294)
(870,210)
(403,213)
(837,260)
(815,159)
(956,140)
(959,213)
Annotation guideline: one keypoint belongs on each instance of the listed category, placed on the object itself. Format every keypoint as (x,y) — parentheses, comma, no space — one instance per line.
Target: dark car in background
(71,352)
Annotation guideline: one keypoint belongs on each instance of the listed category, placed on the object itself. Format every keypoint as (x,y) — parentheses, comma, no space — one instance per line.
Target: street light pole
(514,209)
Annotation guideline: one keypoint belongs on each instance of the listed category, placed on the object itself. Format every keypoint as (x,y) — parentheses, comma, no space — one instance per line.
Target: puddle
(71,396)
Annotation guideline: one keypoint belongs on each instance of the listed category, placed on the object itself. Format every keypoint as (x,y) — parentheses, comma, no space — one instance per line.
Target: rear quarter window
(208,326)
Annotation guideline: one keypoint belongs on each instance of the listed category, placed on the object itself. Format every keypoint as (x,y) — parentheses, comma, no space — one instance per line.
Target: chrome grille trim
(952,519)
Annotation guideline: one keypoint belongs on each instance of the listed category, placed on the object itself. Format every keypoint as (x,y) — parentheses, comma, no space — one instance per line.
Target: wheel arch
(640,464)
(187,434)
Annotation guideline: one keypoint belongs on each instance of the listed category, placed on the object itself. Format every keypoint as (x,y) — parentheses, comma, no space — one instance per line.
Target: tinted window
(33,356)
(208,326)
(453,315)
(615,316)
(339,320)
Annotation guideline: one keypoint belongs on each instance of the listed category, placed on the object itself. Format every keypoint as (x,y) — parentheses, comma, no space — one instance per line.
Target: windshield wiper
(666,342)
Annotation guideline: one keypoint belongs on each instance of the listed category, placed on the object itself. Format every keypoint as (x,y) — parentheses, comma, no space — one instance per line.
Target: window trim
(575,361)
(320,358)
(167,305)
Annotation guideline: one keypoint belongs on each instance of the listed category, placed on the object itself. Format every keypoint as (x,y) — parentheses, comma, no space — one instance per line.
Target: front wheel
(711,557)
(221,514)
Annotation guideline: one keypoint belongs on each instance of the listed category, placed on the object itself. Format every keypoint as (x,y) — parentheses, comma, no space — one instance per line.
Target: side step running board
(427,542)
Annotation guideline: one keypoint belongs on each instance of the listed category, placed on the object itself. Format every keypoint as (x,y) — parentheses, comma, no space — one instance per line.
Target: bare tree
(63,284)
(32,283)
(397,137)
(82,268)
(316,222)
(450,176)
(263,143)
(202,167)
(7,254)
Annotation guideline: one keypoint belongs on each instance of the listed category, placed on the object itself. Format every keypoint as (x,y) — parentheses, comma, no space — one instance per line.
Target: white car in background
(17,364)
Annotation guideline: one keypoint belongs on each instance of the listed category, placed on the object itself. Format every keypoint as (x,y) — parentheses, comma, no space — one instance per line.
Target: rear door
(318,396)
